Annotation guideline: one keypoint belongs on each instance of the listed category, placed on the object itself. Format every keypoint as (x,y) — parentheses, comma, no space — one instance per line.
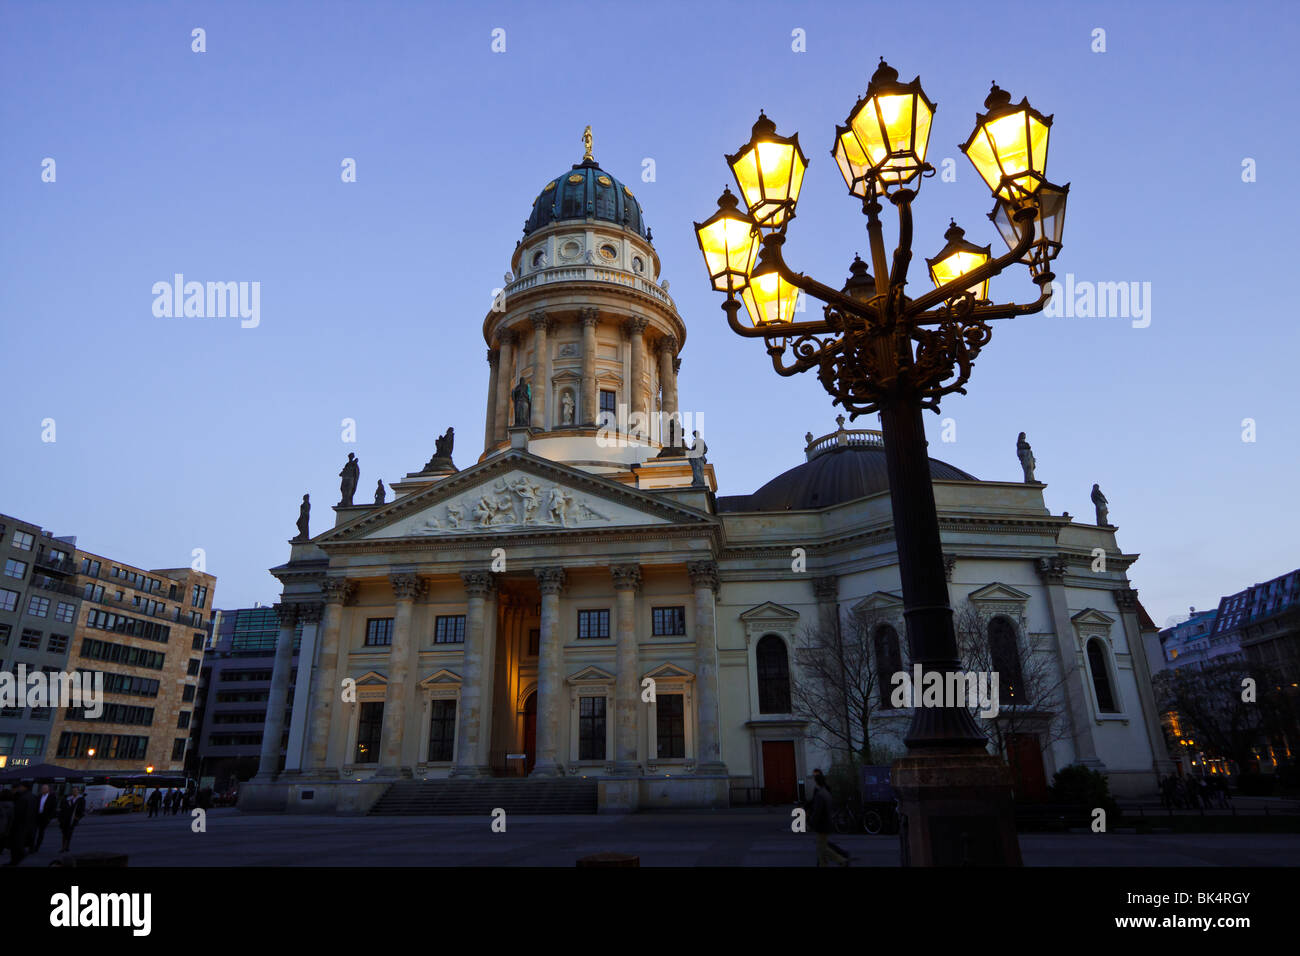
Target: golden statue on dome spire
(586,142)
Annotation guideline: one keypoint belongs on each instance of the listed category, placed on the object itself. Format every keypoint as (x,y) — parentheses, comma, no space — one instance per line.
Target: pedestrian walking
(47,808)
(24,825)
(154,802)
(822,824)
(71,810)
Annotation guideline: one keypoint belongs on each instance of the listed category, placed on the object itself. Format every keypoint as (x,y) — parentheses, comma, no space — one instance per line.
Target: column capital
(310,613)
(406,587)
(627,577)
(1126,599)
(667,343)
(1052,569)
(287,614)
(508,337)
(493,357)
(478,583)
(589,316)
(635,325)
(704,574)
(338,590)
(826,588)
(550,580)
(541,319)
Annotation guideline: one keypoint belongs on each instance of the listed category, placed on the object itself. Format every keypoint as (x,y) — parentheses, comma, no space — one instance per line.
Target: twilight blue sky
(181,433)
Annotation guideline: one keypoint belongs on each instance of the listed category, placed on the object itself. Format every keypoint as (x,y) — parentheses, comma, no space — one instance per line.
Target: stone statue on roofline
(1026,456)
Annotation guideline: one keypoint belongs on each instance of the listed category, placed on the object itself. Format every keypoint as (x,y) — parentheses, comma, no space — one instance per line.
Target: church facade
(580,602)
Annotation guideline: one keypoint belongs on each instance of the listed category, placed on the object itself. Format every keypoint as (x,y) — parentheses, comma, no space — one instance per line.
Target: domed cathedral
(577,620)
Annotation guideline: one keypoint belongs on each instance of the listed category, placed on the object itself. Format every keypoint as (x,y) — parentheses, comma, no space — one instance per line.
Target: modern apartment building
(38,612)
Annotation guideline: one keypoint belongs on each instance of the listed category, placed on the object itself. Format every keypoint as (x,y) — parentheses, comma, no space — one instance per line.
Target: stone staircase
(515,796)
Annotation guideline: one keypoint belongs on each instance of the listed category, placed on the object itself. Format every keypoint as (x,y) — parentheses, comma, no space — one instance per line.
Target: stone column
(310,615)
(635,328)
(469,712)
(505,382)
(268,764)
(1127,601)
(541,367)
(827,591)
(489,680)
(627,691)
(587,408)
(704,579)
(406,588)
(490,430)
(325,689)
(550,684)
(1053,571)
(668,385)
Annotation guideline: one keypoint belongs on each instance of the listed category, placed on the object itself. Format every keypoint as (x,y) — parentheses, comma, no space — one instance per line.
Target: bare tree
(1208,700)
(835,682)
(1030,698)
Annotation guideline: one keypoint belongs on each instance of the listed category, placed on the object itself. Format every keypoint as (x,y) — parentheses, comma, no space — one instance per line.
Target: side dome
(842,466)
(587,192)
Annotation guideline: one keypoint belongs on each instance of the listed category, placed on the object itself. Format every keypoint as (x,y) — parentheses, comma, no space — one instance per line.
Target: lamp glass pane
(983,157)
(957,265)
(748,179)
(769,299)
(852,162)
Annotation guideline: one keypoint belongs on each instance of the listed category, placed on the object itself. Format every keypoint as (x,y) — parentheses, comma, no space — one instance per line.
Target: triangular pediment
(591,674)
(769,611)
(879,601)
(668,671)
(1091,615)
(516,493)
(441,677)
(371,678)
(997,591)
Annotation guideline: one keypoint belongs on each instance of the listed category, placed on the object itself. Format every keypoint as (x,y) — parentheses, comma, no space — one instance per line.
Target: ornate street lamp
(877,349)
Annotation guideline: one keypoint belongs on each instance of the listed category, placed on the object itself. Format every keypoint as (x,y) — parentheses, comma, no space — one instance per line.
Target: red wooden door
(778,771)
(1026,759)
(530,732)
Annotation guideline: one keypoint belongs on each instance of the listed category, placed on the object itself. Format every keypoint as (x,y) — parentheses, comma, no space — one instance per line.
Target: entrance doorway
(530,732)
(1026,759)
(779,784)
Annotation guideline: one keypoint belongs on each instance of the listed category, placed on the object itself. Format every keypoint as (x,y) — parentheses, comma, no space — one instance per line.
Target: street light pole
(877,350)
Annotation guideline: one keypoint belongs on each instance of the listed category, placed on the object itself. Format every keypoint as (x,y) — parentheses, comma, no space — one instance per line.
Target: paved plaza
(725,838)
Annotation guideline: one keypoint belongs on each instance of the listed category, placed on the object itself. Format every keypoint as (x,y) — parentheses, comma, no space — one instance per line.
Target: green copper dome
(587,192)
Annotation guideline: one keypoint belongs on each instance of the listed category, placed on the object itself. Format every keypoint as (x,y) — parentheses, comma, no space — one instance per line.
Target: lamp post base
(956,810)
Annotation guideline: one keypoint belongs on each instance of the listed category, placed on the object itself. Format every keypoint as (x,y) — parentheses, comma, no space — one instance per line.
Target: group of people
(1195,792)
(172,801)
(25,816)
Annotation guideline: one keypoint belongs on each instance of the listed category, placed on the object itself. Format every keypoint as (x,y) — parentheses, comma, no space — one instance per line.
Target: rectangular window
(192,668)
(187,693)
(15,569)
(58,643)
(608,408)
(8,599)
(669,621)
(7,743)
(670,727)
(442,729)
(591,728)
(593,624)
(449,629)
(23,541)
(90,567)
(183,720)
(198,596)
(370,722)
(33,745)
(5,631)
(65,612)
(379,632)
(178,748)
(38,606)
(197,643)
(31,639)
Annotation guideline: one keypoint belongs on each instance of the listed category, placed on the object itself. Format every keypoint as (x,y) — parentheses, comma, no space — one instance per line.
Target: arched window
(889,661)
(1101,677)
(1004,653)
(773,676)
